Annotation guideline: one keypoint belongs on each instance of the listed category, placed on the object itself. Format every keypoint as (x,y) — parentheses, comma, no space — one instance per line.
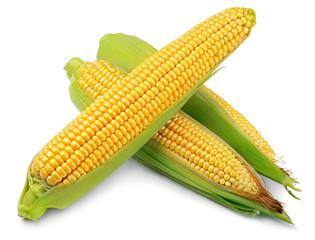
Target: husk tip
(289,183)
(72,66)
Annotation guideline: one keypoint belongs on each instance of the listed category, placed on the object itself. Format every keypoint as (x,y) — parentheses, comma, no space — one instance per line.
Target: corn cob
(206,107)
(126,116)
(185,144)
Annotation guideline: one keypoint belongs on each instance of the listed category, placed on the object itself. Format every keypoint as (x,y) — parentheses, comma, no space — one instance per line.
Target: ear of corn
(218,119)
(118,123)
(192,155)
(206,107)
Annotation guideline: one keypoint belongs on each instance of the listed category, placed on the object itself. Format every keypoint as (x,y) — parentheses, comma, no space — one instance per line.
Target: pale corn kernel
(56,176)
(222,181)
(51,181)
(220,174)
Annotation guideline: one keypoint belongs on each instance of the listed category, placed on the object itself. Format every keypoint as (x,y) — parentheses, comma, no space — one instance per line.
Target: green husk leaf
(126,52)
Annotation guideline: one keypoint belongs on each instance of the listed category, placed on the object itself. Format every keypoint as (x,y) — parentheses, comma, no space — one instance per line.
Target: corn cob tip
(72,66)
(252,13)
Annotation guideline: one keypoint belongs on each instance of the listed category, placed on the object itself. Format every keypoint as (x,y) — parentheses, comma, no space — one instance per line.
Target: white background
(269,79)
